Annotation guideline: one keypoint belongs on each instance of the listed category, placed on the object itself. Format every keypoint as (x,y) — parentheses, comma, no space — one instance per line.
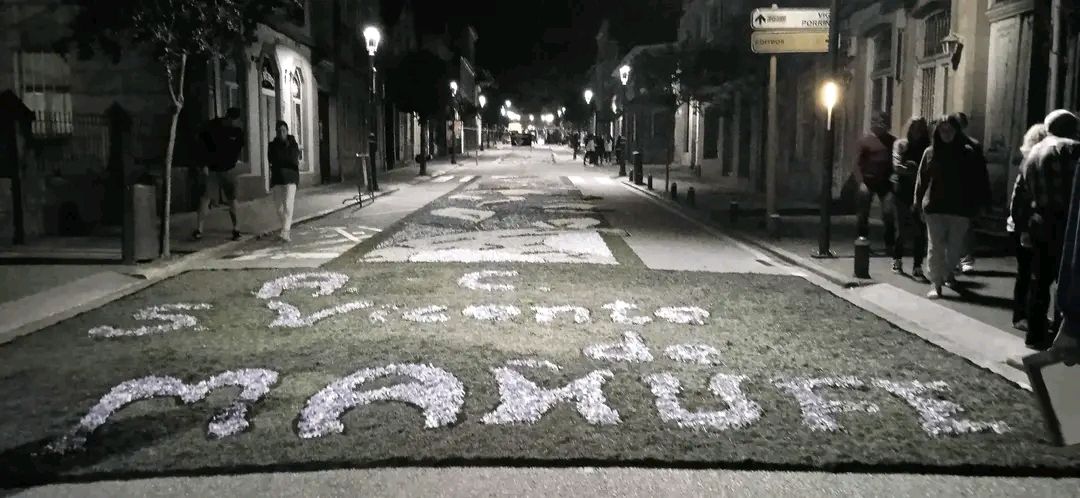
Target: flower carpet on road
(503,219)
(498,364)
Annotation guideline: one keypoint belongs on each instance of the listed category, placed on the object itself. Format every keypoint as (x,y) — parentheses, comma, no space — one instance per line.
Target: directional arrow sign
(790,19)
(789,42)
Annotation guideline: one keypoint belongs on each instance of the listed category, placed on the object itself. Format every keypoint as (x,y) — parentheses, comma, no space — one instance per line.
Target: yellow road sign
(789,42)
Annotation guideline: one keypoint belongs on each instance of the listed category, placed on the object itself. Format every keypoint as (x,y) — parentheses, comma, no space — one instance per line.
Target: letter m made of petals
(232,419)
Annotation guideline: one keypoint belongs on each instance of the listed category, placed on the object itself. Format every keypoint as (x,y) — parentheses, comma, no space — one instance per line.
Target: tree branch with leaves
(173,32)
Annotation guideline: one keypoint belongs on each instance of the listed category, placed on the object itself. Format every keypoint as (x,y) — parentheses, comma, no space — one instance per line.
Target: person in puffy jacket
(948,194)
(907,153)
(284,156)
(1047,175)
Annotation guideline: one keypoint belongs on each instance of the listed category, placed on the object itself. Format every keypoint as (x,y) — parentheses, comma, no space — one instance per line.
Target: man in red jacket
(873,169)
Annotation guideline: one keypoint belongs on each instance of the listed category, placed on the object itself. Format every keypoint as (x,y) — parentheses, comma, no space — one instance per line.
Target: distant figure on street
(1034,135)
(575,142)
(1047,175)
(967,263)
(590,150)
(907,153)
(948,197)
(609,148)
(873,169)
(600,152)
(284,155)
(223,140)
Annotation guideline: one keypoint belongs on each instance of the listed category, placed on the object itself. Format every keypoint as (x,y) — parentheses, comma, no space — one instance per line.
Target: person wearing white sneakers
(284,156)
(947,196)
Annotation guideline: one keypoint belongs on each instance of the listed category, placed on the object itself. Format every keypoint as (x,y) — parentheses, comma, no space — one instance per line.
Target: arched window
(295,102)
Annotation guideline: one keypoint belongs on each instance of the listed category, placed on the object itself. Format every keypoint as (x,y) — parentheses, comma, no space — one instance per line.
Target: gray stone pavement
(546,482)
(45,294)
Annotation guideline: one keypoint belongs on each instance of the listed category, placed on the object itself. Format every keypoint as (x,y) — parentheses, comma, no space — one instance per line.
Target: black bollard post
(862,258)
(650,182)
(690,196)
(733,212)
(639,168)
(674,191)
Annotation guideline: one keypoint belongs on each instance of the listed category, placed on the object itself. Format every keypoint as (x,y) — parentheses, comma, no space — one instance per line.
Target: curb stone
(145,277)
(849,290)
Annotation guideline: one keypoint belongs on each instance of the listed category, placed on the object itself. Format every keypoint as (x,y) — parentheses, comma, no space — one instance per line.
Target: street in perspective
(564,248)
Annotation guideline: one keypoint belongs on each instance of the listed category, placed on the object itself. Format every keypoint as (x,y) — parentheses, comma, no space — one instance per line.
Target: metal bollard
(650,182)
(639,168)
(674,191)
(862,257)
(690,196)
(733,212)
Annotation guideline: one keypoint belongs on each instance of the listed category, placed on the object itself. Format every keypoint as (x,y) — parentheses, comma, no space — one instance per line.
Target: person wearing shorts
(223,140)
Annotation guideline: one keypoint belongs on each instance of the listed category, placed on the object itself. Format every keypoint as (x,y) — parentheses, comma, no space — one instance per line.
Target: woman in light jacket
(284,155)
(949,192)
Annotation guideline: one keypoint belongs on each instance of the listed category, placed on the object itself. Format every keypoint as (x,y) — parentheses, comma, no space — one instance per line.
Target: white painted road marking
(576,180)
(466,179)
(345,234)
(442,179)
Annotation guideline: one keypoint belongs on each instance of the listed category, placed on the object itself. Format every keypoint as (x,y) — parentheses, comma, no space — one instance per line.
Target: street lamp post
(453,122)
(483,104)
(624,77)
(372,37)
(588,102)
(830,95)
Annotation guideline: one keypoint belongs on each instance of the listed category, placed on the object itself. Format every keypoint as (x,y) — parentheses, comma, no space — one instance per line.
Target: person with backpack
(222,139)
(284,156)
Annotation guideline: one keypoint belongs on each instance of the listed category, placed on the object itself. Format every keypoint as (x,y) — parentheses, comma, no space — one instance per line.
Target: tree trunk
(178,105)
(423,146)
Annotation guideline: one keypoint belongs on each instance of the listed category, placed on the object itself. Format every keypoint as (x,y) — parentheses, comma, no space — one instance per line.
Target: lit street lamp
(624,77)
(372,37)
(483,104)
(453,122)
(588,102)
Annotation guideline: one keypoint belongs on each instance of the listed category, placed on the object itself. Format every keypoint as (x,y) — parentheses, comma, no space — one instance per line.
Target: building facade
(719,130)
(307,67)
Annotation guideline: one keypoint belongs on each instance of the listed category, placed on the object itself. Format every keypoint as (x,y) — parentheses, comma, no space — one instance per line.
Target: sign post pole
(770,161)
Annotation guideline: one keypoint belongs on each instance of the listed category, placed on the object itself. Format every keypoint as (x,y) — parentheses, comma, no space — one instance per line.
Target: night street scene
(626,248)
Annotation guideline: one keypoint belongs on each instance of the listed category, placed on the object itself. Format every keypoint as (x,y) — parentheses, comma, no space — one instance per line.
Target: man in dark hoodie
(967,263)
(873,172)
(1047,173)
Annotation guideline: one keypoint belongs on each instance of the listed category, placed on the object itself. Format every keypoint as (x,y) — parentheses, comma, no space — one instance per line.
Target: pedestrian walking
(1034,135)
(873,170)
(609,148)
(222,139)
(947,199)
(575,142)
(601,154)
(1067,343)
(1047,174)
(907,154)
(967,263)
(284,156)
(590,150)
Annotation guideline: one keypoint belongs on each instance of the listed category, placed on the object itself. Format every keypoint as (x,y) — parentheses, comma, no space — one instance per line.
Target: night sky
(540,50)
